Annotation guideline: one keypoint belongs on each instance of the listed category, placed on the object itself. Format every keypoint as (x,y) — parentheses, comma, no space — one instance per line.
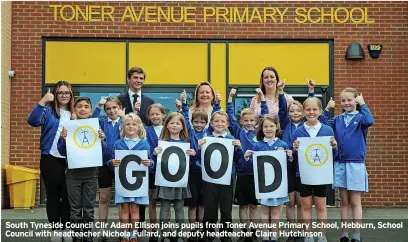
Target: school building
(179,44)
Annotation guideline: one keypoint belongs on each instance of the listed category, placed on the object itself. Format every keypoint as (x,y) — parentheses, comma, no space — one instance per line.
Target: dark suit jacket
(146,102)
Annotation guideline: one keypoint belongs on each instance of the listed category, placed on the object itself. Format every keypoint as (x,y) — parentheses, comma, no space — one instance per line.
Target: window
(96,97)
(168,99)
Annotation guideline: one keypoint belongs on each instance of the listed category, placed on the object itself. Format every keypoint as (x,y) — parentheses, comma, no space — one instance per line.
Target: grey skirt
(172,193)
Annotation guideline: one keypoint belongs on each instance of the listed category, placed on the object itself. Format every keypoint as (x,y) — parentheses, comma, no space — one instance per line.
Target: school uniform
(219,196)
(152,136)
(288,129)
(111,129)
(245,185)
(82,184)
(52,163)
(350,130)
(267,145)
(171,193)
(131,144)
(315,131)
(195,181)
(129,98)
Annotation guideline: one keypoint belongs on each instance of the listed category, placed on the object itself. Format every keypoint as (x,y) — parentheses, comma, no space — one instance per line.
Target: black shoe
(344,239)
(356,240)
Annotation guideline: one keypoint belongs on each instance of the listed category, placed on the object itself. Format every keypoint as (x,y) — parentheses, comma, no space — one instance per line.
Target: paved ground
(398,217)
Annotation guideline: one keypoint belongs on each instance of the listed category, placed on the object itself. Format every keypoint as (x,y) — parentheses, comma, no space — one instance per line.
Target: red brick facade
(383,81)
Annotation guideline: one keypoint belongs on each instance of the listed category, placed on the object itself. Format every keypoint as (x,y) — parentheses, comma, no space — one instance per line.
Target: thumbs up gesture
(183,96)
(218,97)
(331,104)
(360,99)
(48,97)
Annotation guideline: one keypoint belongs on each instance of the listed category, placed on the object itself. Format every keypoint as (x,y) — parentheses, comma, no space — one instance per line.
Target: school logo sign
(85,137)
(316,154)
(374,50)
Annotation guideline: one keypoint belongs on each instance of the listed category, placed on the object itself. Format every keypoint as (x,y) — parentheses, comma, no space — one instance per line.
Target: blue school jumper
(352,140)
(288,128)
(121,145)
(265,146)
(246,138)
(237,152)
(112,134)
(195,136)
(44,116)
(325,130)
(153,142)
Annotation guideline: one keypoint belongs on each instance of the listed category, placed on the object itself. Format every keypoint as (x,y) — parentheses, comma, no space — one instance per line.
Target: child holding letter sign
(245,186)
(174,130)
(216,194)
(267,134)
(133,138)
(196,131)
(82,182)
(312,109)
(350,174)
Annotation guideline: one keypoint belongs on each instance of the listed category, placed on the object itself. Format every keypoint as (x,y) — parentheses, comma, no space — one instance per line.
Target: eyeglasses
(61,94)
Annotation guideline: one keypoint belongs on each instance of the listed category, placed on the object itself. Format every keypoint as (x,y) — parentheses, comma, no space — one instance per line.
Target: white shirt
(270,141)
(348,117)
(131,97)
(113,121)
(158,130)
(313,130)
(65,116)
(220,135)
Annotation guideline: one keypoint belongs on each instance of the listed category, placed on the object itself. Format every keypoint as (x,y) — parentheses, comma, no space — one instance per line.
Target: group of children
(266,132)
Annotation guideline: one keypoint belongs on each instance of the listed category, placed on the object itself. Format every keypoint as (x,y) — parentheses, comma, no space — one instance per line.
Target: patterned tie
(135,97)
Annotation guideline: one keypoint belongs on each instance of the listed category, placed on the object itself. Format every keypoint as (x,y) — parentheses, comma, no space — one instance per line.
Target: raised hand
(121,112)
(360,99)
(331,104)
(218,98)
(232,94)
(178,104)
(281,86)
(183,96)
(101,102)
(310,84)
(260,94)
(48,97)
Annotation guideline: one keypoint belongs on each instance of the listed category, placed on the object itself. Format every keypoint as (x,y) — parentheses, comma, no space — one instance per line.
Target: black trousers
(217,196)
(53,174)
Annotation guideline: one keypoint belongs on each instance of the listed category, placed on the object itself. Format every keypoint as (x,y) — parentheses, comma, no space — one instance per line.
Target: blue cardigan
(352,140)
(246,138)
(121,145)
(44,116)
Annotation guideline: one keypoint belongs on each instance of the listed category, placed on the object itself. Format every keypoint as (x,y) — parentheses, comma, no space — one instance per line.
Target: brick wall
(5,94)
(383,81)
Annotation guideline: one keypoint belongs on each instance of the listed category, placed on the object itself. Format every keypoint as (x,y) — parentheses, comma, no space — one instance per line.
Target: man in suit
(134,100)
